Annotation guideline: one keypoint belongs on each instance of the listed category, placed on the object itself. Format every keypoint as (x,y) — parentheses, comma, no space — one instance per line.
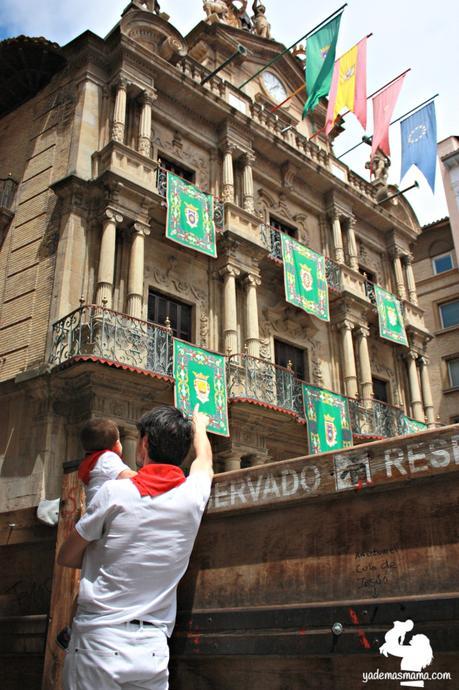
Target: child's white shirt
(107,467)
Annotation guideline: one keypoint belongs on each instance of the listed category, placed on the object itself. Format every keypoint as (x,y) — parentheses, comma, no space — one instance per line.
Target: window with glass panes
(175,168)
(453,372)
(442,262)
(285,353)
(282,227)
(162,306)
(449,312)
(380,390)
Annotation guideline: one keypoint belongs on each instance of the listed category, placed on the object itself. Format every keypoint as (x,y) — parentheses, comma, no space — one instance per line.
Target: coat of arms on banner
(330,430)
(306,278)
(201,387)
(192,216)
(200,378)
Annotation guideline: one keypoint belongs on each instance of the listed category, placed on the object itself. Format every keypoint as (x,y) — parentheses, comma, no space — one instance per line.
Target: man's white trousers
(120,657)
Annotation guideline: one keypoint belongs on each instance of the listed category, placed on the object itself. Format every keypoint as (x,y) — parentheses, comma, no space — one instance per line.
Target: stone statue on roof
(227,12)
(379,168)
(261,25)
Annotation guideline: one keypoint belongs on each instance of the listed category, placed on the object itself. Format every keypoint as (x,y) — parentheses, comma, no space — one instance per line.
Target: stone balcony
(95,333)
(340,278)
(261,381)
(125,162)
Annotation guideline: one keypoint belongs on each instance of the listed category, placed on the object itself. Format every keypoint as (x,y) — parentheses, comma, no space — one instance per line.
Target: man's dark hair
(169,434)
(99,434)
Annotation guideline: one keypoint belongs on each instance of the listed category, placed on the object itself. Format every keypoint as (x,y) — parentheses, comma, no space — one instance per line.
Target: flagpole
(295,93)
(415,185)
(275,59)
(368,98)
(368,140)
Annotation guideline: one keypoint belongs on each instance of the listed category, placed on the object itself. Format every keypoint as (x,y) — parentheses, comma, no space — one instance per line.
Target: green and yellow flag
(190,216)
(329,422)
(200,377)
(305,278)
(320,60)
(391,325)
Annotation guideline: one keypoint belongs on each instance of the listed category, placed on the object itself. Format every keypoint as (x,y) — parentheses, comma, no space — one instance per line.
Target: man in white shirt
(133,545)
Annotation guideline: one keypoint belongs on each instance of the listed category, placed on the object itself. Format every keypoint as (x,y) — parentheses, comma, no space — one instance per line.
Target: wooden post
(66,581)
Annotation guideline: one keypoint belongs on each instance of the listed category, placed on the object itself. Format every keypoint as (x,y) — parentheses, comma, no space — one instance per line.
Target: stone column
(228,173)
(252,329)
(365,364)
(107,258)
(144,145)
(247,182)
(427,392)
(412,294)
(136,270)
(396,255)
(337,238)
(230,273)
(129,438)
(349,370)
(352,244)
(415,391)
(119,114)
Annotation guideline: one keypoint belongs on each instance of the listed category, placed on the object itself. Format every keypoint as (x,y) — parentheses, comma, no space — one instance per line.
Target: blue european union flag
(419,142)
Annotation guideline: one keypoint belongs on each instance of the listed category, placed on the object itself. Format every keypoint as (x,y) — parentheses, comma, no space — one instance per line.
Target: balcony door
(161,307)
(175,168)
(285,353)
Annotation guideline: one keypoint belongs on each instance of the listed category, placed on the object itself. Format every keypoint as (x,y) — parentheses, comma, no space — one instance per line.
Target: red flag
(383,108)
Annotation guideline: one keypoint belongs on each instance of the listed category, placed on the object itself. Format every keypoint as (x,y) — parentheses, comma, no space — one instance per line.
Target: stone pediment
(154,33)
(223,39)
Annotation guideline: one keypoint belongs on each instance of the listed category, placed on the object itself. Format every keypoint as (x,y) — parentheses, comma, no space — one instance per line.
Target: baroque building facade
(91,292)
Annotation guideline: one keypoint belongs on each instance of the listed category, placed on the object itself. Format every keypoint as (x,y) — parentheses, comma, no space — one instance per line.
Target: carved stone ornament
(261,26)
(167,279)
(227,12)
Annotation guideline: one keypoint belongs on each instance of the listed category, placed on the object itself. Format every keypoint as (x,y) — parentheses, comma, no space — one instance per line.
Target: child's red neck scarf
(88,463)
(155,479)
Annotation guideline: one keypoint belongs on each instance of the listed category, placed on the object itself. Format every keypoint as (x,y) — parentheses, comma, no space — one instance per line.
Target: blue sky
(420,34)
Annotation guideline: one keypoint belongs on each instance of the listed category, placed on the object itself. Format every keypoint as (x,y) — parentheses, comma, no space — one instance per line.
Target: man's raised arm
(202,447)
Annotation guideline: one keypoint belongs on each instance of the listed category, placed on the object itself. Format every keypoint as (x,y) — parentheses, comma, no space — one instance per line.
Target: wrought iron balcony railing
(257,379)
(95,331)
(8,189)
(272,240)
(219,207)
(375,418)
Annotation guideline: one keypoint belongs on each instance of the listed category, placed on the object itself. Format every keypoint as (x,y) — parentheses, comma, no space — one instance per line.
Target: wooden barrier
(347,542)
(65,580)
(301,567)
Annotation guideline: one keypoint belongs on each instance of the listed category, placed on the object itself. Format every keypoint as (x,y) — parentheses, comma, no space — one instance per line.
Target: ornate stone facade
(84,256)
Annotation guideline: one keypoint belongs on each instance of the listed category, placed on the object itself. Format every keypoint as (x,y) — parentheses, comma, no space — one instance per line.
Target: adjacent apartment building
(437,281)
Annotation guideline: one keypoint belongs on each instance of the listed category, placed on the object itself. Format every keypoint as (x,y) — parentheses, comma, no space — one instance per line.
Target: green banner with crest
(329,422)
(305,278)
(391,325)
(412,426)
(200,378)
(190,216)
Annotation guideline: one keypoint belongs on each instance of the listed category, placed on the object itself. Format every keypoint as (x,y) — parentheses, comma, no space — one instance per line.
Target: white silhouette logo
(415,656)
